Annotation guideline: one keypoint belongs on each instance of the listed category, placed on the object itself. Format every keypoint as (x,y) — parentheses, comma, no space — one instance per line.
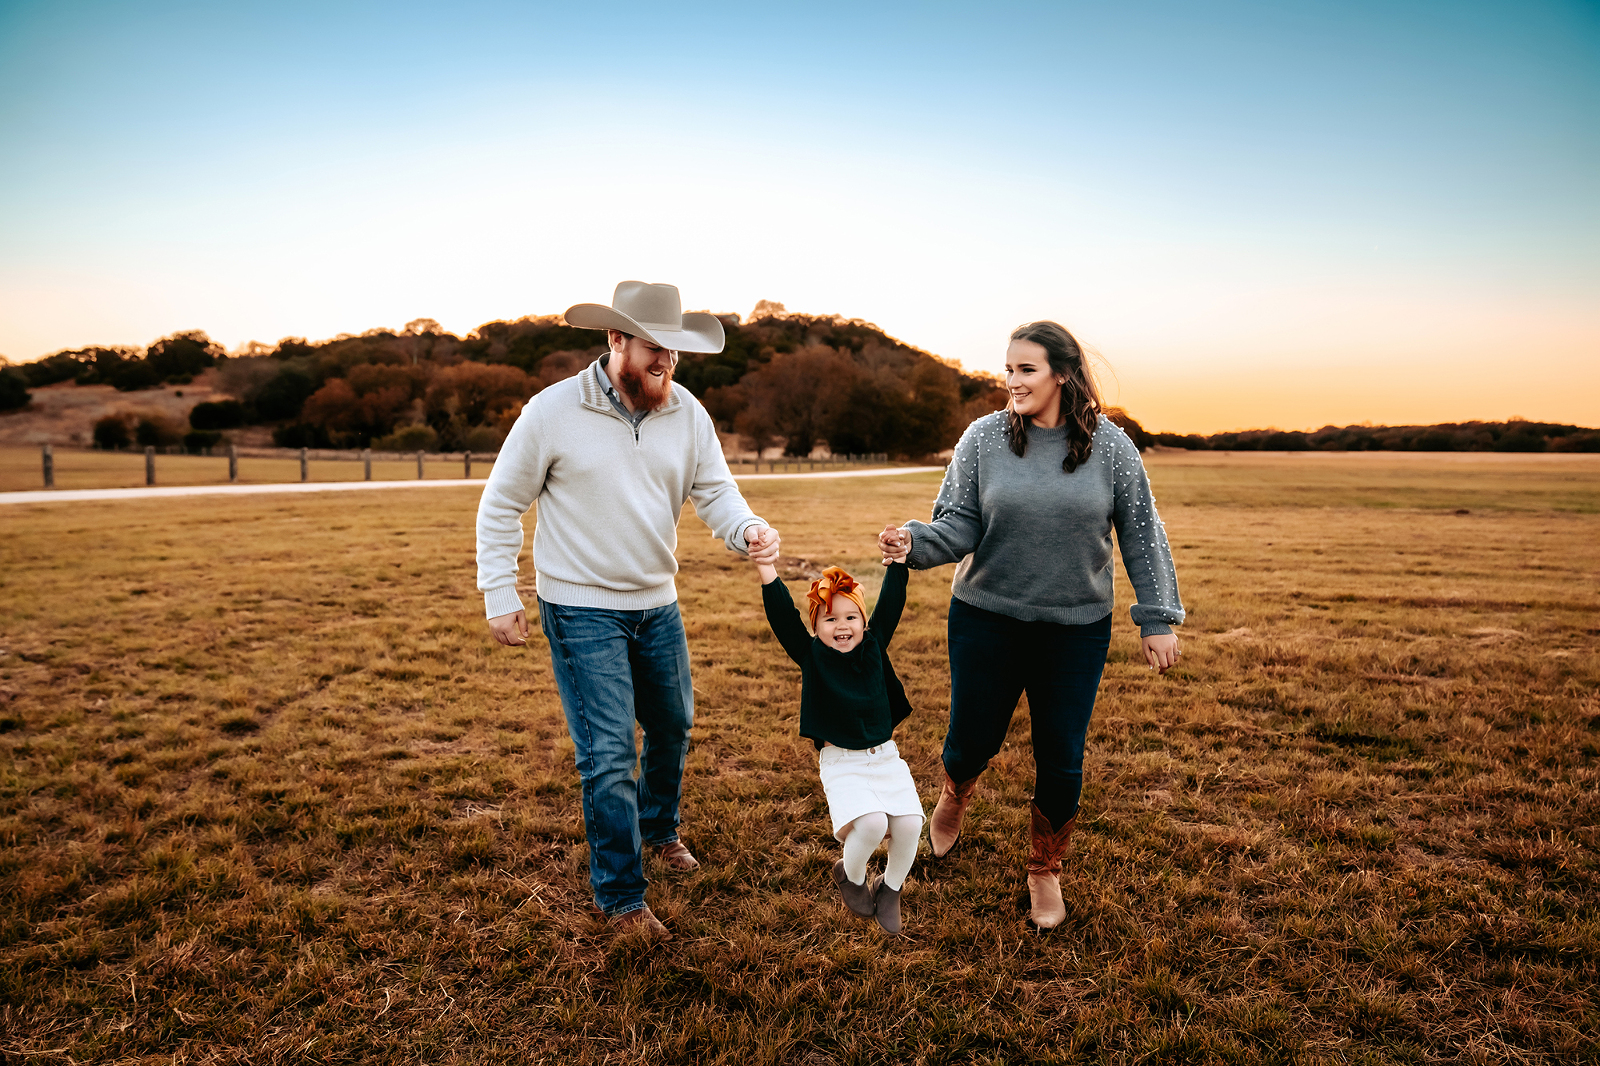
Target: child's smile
(841,626)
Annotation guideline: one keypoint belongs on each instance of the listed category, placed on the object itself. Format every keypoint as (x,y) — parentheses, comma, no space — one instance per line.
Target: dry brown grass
(268,793)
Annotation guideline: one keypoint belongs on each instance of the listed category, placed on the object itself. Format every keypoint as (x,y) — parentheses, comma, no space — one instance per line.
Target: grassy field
(268,793)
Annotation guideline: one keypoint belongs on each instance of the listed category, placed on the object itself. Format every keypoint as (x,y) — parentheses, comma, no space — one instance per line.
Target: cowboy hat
(654,312)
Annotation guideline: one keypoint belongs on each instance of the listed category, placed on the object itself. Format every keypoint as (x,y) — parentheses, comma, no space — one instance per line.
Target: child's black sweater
(850,699)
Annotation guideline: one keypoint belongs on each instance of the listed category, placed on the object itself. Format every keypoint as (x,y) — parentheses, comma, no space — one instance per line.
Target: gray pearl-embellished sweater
(1040,538)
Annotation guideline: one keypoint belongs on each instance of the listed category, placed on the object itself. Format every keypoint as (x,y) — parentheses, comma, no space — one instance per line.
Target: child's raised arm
(765,570)
(782,615)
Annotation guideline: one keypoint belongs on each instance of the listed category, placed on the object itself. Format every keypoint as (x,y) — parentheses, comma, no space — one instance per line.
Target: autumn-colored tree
(354,415)
(797,396)
(475,392)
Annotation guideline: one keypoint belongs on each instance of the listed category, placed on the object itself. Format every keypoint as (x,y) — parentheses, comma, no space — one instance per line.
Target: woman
(1028,506)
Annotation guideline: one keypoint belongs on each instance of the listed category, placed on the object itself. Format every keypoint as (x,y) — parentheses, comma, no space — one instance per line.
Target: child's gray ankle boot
(857,897)
(888,907)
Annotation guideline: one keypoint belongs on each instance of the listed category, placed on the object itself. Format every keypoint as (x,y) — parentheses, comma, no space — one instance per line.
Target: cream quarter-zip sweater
(609,494)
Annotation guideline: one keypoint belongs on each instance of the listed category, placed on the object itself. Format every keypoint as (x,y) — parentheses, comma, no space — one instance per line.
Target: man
(610,455)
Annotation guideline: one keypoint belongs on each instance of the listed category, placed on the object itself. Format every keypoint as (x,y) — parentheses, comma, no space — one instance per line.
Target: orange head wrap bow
(833,582)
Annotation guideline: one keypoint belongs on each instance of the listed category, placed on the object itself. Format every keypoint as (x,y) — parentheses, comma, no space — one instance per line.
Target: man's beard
(645,392)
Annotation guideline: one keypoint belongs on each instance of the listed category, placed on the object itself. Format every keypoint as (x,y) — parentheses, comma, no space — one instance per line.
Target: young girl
(850,702)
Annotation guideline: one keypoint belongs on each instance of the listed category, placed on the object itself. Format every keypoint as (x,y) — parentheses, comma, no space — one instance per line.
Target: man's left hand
(762,542)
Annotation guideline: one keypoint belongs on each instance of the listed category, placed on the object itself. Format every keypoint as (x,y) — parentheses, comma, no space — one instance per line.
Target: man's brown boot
(945,824)
(641,923)
(676,856)
(1044,869)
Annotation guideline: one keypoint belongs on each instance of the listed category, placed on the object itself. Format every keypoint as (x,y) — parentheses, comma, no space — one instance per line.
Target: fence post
(366,463)
(303,464)
(233,464)
(49,460)
(419,466)
(466,458)
(149,465)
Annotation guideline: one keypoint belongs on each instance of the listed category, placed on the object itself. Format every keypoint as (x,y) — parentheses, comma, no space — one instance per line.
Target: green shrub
(217,414)
(483,439)
(111,433)
(409,439)
(14,393)
(157,431)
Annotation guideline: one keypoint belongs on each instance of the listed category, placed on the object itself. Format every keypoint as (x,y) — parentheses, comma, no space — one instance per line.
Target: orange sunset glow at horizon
(1257,217)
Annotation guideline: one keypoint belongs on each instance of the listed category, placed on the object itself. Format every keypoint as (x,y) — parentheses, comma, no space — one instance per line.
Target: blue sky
(1259,214)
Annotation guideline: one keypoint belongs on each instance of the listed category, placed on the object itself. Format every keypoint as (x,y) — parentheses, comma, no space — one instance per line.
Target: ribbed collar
(592,386)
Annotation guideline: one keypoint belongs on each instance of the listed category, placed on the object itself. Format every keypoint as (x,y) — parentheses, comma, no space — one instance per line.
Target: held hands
(762,542)
(510,629)
(895,543)
(1161,651)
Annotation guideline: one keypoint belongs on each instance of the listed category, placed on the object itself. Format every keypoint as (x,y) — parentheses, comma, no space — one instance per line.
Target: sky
(1256,214)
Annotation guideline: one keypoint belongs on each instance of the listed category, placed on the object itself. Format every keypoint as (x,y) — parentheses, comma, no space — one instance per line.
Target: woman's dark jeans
(994,658)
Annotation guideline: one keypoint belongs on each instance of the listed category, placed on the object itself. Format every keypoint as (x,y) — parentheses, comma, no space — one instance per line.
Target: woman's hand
(895,543)
(1161,651)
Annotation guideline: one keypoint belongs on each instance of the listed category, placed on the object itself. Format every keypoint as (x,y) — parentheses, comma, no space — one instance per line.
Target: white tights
(863,836)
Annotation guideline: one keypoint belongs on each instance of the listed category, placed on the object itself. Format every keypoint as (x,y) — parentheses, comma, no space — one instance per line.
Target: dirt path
(82,495)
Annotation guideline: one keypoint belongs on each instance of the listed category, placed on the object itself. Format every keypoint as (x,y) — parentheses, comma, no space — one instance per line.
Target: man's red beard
(645,392)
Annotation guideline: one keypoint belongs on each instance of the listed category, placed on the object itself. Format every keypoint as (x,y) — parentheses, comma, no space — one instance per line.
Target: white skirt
(866,781)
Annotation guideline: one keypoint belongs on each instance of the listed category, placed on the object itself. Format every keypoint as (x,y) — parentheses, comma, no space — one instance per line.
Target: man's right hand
(510,629)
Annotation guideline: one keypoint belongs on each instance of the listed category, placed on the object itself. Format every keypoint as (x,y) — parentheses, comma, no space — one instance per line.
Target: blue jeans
(615,668)
(994,658)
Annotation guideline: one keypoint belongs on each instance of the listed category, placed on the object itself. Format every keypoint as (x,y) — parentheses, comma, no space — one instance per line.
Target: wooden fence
(737,465)
(364,457)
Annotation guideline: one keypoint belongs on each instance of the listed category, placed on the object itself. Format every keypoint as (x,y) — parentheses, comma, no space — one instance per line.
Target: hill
(802,380)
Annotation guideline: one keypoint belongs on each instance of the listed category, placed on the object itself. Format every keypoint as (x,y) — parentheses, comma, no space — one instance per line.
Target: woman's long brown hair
(1080,397)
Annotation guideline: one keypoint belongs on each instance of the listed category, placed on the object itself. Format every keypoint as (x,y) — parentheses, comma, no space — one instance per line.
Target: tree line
(798,380)
(1515,435)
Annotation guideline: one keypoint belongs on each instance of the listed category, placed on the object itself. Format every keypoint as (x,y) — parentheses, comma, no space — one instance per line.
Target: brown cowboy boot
(1047,910)
(640,923)
(676,856)
(945,824)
